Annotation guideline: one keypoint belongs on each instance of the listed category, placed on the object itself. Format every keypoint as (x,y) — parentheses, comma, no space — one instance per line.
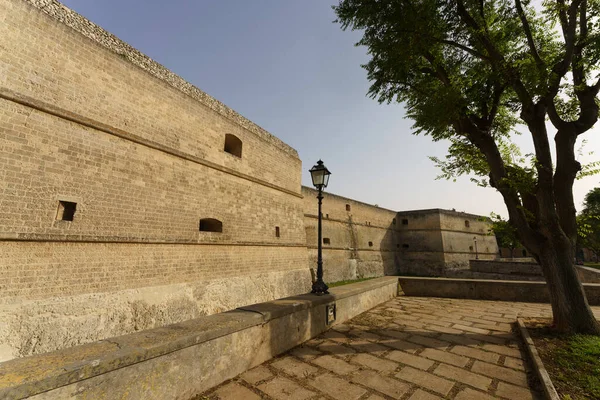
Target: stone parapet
(479,289)
(182,360)
(505,267)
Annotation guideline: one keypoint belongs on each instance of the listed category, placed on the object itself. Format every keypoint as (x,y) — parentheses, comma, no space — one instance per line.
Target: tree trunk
(570,308)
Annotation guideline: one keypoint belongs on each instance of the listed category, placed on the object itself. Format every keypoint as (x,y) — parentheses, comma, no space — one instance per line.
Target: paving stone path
(408,348)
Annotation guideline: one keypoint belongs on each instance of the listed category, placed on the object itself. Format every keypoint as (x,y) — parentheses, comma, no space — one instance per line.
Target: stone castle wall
(435,241)
(360,240)
(144,161)
(87,120)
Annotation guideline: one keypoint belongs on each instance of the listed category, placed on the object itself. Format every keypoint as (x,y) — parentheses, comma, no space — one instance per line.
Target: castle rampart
(131,199)
(106,172)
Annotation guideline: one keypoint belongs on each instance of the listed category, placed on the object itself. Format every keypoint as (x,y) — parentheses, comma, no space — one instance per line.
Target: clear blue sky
(284,65)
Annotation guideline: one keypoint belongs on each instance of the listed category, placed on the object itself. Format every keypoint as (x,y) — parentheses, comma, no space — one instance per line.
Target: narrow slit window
(326,241)
(277,233)
(524,252)
(404,222)
(233,145)
(66,210)
(394,221)
(347,207)
(467,224)
(211,225)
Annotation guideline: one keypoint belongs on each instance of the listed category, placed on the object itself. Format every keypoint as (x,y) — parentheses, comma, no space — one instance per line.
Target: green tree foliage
(589,222)
(474,72)
(506,234)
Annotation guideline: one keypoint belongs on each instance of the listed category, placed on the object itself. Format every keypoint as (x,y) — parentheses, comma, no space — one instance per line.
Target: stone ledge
(549,390)
(480,289)
(28,376)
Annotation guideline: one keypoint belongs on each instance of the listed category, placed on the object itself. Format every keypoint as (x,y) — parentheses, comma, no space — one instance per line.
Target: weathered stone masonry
(142,156)
(129,199)
(362,240)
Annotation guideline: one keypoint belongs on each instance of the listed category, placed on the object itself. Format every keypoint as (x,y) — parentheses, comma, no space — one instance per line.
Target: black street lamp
(476,254)
(320,177)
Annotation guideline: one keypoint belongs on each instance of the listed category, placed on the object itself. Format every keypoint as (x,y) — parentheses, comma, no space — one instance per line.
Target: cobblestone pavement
(408,348)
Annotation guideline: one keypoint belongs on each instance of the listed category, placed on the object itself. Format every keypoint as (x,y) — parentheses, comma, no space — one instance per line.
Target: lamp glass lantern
(320,175)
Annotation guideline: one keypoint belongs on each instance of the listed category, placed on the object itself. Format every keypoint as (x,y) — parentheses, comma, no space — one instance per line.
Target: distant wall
(588,275)
(533,292)
(435,241)
(359,242)
(506,267)
(362,240)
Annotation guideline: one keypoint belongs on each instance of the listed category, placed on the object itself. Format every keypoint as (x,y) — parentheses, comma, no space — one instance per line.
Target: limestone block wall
(421,244)
(108,162)
(131,199)
(435,241)
(360,240)
(464,236)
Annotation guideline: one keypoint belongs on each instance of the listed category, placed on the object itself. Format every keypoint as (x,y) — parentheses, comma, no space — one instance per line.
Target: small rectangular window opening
(404,222)
(210,225)
(405,246)
(394,221)
(326,241)
(467,224)
(233,145)
(370,244)
(277,231)
(66,210)
(470,248)
(347,207)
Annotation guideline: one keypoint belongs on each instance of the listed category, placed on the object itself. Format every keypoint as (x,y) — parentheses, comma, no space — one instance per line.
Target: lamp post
(320,177)
(476,254)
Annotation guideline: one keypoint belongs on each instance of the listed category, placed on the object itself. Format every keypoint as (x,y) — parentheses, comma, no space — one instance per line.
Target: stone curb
(549,390)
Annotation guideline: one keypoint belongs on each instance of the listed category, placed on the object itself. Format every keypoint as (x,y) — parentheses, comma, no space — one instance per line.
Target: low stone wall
(505,267)
(478,289)
(184,359)
(588,275)
(468,274)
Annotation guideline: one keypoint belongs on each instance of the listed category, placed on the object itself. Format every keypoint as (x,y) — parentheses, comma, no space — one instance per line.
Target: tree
(473,72)
(589,222)
(506,234)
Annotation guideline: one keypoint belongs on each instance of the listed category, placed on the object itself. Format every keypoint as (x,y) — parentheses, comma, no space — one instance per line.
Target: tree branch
(568,21)
(469,50)
(536,56)
(510,74)
(486,144)
(452,43)
(440,71)
(495,103)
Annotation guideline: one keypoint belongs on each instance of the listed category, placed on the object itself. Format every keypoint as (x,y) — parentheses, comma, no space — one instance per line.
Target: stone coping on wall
(109,41)
(483,289)
(24,377)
